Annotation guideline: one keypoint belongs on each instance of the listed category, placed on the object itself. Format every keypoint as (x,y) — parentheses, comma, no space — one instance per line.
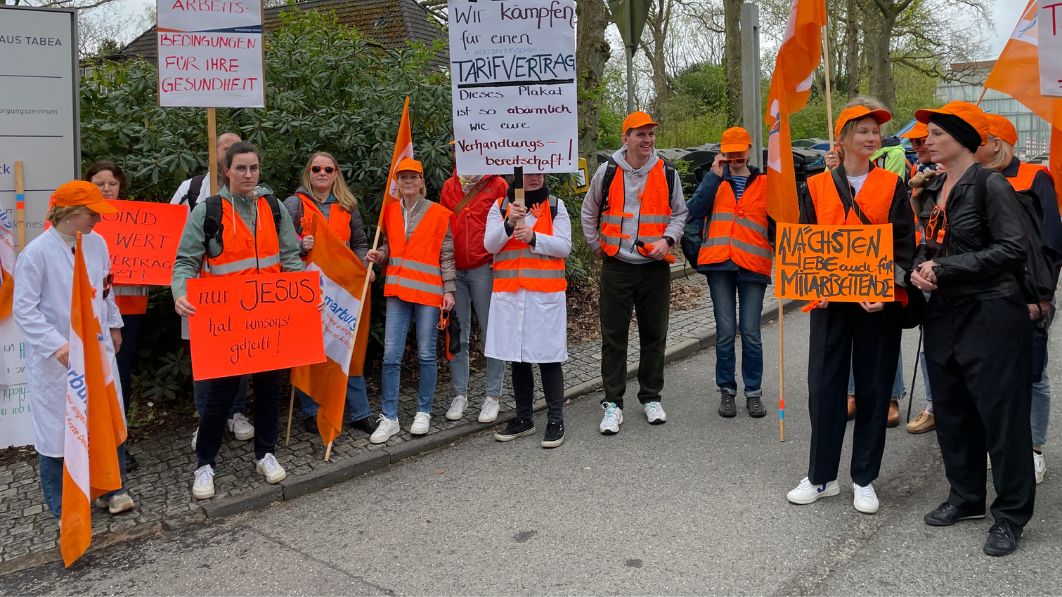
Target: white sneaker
(420,423)
(386,429)
(612,420)
(489,411)
(195,436)
(241,427)
(806,493)
(268,466)
(1039,466)
(866,501)
(655,413)
(203,487)
(457,407)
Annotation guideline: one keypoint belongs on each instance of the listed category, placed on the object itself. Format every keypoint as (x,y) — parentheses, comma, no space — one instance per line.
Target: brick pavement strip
(162,484)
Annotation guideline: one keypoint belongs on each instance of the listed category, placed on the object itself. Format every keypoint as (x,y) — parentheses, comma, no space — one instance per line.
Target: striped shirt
(738,182)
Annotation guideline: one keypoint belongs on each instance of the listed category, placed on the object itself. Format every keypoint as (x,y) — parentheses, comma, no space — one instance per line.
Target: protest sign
(13,354)
(1049,19)
(512,71)
(247,324)
(16,417)
(839,263)
(142,239)
(211,54)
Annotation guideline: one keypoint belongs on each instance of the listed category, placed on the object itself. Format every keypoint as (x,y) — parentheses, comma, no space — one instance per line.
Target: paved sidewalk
(161,485)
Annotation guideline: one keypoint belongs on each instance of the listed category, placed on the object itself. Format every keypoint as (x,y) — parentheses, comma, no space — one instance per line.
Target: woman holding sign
(865,335)
(528,306)
(419,252)
(44,275)
(325,193)
(978,332)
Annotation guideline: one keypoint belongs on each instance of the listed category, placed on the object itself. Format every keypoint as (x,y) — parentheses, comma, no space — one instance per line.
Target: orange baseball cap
(857,112)
(967,112)
(735,139)
(999,126)
(409,165)
(82,192)
(637,119)
(918,131)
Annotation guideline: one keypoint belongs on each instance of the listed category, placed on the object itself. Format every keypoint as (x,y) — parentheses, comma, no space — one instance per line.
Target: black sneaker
(727,404)
(310,424)
(755,406)
(1003,538)
(946,515)
(554,435)
(130,463)
(516,428)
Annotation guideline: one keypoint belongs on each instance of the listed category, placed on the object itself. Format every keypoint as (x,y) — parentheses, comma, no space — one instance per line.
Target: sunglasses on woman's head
(327,169)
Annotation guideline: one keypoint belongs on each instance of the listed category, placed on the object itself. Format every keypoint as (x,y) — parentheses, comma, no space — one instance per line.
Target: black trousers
(552,386)
(845,336)
(124,357)
(979,356)
(220,395)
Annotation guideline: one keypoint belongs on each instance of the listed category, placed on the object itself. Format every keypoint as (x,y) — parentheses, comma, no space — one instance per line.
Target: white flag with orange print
(403,150)
(95,426)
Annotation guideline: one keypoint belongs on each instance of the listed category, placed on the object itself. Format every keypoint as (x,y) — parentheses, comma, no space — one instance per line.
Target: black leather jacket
(983,250)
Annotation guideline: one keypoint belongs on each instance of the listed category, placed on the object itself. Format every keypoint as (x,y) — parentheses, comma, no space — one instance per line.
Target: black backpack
(214,226)
(195,186)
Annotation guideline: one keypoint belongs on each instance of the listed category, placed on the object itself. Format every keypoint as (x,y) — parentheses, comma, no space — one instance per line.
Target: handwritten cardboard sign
(142,239)
(211,53)
(247,324)
(840,263)
(1049,18)
(512,72)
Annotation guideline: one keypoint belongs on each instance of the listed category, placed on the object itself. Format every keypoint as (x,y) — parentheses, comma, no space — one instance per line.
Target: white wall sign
(1049,19)
(38,107)
(512,68)
(211,54)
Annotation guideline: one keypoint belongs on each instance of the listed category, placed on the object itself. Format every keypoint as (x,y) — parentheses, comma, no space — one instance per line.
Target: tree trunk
(732,58)
(591,54)
(879,38)
(658,21)
(852,49)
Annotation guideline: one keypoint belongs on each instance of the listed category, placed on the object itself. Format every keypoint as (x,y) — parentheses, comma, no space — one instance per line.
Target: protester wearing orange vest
(998,155)
(635,199)
(527,308)
(419,256)
(864,336)
(324,193)
(256,237)
(736,256)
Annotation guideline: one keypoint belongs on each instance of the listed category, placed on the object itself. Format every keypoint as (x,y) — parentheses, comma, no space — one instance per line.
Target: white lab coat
(527,326)
(44,281)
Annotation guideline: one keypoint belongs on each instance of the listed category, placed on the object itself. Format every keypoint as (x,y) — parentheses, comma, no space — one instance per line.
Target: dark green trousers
(645,288)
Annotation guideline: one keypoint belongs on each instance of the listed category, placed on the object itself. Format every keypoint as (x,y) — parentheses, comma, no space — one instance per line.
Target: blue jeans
(1041,408)
(199,396)
(357,400)
(474,287)
(925,379)
(396,327)
(52,480)
(726,290)
(898,389)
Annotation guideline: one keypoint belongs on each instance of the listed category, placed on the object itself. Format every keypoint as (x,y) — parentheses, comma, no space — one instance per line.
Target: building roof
(389,23)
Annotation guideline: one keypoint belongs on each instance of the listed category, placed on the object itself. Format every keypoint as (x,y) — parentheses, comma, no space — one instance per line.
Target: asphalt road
(693,506)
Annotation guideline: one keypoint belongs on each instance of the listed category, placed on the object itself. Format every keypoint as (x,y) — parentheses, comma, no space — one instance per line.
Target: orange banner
(844,264)
(247,324)
(142,239)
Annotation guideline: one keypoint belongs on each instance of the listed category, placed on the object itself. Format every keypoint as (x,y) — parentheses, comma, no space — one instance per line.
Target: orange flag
(95,425)
(346,328)
(798,57)
(403,150)
(1017,74)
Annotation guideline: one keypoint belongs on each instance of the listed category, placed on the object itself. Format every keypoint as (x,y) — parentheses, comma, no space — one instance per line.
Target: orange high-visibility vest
(516,266)
(131,300)
(245,253)
(413,270)
(1026,173)
(737,231)
(338,218)
(874,199)
(654,212)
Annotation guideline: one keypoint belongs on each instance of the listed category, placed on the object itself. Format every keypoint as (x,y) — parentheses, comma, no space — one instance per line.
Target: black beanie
(958,128)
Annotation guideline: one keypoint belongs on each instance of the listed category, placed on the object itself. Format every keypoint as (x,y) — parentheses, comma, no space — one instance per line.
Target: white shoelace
(610,412)
(805,484)
(239,418)
(269,463)
(867,491)
(203,475)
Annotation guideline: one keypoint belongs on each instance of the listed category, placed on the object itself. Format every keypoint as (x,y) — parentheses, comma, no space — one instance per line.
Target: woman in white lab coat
(528,302)
(44,278)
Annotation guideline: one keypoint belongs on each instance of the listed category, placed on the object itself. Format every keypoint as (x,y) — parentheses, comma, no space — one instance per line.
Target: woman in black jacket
(978,337)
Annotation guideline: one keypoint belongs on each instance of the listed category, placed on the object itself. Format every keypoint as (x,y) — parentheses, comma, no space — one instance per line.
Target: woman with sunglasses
(863,336)
(44,275)
(324,192)
(998,155)
(978,335)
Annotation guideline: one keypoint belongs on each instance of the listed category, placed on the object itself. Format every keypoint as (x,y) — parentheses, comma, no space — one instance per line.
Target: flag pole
(984,90)
(20,206)
(291,410)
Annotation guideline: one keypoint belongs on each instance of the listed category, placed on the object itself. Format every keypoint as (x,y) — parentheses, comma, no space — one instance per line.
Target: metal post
(630,46)
(752,108)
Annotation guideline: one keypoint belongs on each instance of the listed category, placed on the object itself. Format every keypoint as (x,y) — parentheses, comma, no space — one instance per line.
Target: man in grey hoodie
(633,213)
